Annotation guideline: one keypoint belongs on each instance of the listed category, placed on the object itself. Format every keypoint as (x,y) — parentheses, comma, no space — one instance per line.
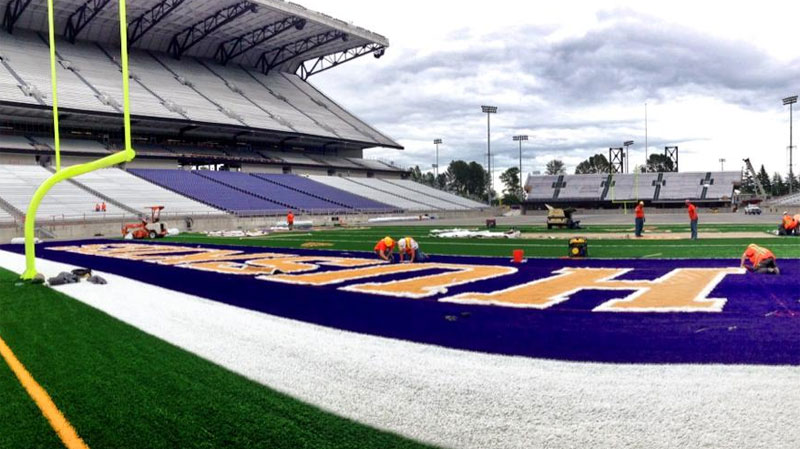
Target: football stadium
(197,251)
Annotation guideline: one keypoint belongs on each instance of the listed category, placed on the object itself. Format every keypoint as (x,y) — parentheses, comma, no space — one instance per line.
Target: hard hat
(786,212)
(388,241)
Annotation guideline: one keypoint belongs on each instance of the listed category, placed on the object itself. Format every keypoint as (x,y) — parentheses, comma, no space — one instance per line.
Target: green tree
(467,178)
(779,187)
(512,191)
(659,163)
(595,164)
(763,178)
(441,181)
(555,167)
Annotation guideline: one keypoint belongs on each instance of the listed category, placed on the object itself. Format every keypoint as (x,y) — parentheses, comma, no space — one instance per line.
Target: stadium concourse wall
(111,227)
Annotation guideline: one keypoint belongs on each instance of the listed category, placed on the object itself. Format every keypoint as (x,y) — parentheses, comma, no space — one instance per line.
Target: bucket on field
(517,255)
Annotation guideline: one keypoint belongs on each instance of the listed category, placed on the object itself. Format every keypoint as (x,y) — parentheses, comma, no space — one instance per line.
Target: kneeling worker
(788,225)
(409,247)
(384,248)
(761,259)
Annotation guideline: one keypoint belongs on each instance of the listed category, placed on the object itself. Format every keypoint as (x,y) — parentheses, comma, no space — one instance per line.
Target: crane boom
(761,192)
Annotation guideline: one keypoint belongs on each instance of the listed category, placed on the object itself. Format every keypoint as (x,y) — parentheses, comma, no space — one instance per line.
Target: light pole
(437,142)
(489,110)
(790,101)
(627,143)
(519,139)
(722,164)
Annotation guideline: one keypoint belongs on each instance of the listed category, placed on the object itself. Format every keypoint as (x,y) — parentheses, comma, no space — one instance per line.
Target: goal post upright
(126,155)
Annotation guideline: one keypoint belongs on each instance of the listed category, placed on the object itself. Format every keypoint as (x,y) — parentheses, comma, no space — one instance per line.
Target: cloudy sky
(575,76)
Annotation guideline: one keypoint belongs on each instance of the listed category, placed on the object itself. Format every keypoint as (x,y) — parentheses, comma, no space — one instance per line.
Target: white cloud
(575,77)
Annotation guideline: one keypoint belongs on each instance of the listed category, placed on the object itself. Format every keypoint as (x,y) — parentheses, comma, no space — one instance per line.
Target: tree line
(470,179)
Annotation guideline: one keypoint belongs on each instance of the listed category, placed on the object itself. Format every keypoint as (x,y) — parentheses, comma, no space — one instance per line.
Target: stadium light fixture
(790,101)
(519,139)
(489,110)
(628,143)
(437,142)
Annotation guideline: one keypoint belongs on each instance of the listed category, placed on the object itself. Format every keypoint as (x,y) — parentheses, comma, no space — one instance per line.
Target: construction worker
(409,247)
(761,260)
(103,206)
(384,248)
(290,220)
(639,213)
(788,225)
(692,218)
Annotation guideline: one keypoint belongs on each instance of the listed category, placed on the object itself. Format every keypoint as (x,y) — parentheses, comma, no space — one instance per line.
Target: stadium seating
(138,194)
(321,190)
(25,52)
(15,143)
(276,193)
(320,98)
(65,201)
(160,81)
(364,187)
(541,187)
(210,192)
(447,197)
(75,145)
(286,85)
(104,75)
(5,217)
(663,187)
(255,87)
(215,89)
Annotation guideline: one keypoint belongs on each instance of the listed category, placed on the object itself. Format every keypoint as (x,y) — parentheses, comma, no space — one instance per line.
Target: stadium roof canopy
(268,34)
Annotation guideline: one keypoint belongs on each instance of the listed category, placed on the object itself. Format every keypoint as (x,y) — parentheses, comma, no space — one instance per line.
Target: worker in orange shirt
(788,225)
(761,260)
(639,213)
(692,218)
(384,248)
(290,220)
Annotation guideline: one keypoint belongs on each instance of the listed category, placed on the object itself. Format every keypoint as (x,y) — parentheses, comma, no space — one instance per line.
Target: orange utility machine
(152,228)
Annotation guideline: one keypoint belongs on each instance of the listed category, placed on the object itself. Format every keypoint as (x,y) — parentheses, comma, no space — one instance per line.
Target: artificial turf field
(120,387)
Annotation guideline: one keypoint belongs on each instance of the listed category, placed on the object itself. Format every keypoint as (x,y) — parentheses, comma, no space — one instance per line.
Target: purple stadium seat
(319,190)
(206,191)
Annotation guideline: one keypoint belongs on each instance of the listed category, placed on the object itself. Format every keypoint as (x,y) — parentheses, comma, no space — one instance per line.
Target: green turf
(363,239)
(122,388)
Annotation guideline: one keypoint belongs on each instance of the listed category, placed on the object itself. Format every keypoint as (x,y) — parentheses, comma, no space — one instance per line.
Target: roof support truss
(246,42)
(144,23)
(191,35)
(83,16)
(14,10)
(317,65)
(275,57)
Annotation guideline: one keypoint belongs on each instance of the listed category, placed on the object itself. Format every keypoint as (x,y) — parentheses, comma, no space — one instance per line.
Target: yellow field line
(57,420)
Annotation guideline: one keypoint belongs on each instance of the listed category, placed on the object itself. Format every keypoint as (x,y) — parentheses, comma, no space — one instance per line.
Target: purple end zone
(760,323)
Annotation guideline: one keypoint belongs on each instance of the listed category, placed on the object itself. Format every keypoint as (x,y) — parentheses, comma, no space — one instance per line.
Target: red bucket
(518,254)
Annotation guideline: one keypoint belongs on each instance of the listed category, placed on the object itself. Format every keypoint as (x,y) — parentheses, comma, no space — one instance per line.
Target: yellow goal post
(126,155)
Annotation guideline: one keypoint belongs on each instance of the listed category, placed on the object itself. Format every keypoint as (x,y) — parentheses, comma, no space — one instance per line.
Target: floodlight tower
(790,101)
(437,142)
(628,143)
(489,110)
(519,139)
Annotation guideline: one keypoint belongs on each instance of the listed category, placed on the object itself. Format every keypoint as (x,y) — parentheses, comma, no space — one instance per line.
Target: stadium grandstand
(602,190)
(225,120)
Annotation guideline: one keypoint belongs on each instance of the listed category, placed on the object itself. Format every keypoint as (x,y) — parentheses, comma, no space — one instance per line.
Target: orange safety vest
(639,211)
(757,254)
(789,222)
(381,246)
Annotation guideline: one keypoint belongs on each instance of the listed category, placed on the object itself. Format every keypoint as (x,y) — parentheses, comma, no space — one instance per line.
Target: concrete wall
(112,228)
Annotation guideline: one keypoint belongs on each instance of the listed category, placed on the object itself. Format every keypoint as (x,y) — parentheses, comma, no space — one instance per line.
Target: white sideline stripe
(465,399)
